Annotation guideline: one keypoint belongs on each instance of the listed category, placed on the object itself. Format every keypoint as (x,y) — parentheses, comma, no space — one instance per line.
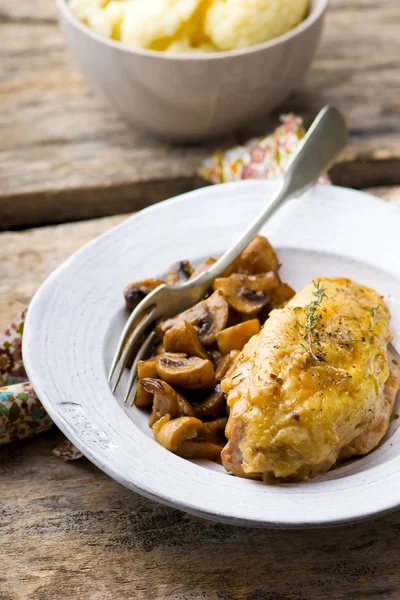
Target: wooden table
(70,532)
(66,156)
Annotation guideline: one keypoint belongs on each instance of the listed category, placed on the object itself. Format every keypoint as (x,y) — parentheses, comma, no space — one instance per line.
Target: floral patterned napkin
(21,413)
(259,158)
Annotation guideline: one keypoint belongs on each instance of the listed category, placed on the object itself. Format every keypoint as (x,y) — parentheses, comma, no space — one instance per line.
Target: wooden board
(28,257)
(66,156)
(71,533)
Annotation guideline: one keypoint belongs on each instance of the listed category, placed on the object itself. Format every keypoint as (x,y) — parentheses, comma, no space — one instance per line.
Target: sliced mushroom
(214,355)
(281,295)
(208,317)
(206,264)
(236,317)
(222,366)
(215,430)
(159,350)
(136,291)
(179,272)
(221,363)
(167,401)
(234,338)
(183,337)
(279,298)
(192,373)
(258,257)
(145,368)
(233,356)
(212,407)
(247,293)
(185,436)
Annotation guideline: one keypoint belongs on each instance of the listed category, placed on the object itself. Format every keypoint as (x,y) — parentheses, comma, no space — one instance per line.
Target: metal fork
(326,137)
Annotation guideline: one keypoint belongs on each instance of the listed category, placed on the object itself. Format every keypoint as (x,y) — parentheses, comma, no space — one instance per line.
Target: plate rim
(51,408)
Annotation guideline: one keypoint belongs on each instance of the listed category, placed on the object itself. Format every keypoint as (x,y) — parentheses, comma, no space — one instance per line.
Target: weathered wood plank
(28,257)
(59,140)
(66,205)
(71,533)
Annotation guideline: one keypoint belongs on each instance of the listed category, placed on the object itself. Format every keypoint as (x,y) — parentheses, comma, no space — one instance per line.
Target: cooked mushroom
(214,355)
(208,317)
(247,293)
(234,338)
(145,368)
(159,350)
(235,317)
(185,436)
(183,337)
(215,430)
(179,272)
(192,373)
(222,366)
(227,362)
(206,264)
(258,257)
(212,407)
(136,291)
(167,401)
(221,363)
(281,295)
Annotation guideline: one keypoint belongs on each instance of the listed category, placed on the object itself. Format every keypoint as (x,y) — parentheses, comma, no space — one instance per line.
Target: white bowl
(76,317)
(190,97)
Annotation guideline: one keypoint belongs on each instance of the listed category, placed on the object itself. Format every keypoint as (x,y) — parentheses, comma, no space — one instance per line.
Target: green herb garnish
(373,310)
(313,323)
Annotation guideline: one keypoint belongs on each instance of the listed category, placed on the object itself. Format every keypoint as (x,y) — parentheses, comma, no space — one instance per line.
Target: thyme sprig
(313,323)
(373,311)
(236,376)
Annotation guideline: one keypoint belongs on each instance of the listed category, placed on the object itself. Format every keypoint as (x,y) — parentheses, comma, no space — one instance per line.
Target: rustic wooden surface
(69,532)
(66,156)
(28,257)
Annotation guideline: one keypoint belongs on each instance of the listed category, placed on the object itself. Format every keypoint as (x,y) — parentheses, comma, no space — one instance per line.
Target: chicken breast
(316,384)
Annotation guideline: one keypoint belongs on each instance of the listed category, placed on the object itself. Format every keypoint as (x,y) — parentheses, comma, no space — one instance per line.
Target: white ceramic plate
(76,317)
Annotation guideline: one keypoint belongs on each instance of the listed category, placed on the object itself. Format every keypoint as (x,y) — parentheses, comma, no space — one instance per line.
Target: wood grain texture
(71,533)
(28,257)
(66,156)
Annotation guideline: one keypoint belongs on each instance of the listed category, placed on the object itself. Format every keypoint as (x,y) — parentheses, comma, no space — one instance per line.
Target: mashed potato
(155,23)
(234,24)
(190,25)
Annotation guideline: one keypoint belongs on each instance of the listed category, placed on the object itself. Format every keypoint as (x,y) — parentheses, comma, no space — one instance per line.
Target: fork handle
(324,140)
